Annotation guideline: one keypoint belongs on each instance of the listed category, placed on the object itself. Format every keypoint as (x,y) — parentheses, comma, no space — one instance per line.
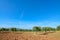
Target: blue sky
(29,13)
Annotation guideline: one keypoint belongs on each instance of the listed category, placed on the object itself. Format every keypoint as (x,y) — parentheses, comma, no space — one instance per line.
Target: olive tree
(4,29)
(13,29)
(58,28)
(36,28)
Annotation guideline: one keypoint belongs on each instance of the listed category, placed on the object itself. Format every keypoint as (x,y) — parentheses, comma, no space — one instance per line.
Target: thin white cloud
(22,13)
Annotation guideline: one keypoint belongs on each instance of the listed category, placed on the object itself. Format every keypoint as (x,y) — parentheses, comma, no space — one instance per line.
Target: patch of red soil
(24,36)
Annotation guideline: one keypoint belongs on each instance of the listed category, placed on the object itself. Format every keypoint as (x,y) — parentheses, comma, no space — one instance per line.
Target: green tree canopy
(58,28)
(48,29)
(13,29)
(36,28)
(4,29)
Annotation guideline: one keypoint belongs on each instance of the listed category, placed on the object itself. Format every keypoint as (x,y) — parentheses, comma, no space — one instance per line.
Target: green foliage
(58,28)
(4,29)
(44,29)
(36,28)
(13,29)
(48,29)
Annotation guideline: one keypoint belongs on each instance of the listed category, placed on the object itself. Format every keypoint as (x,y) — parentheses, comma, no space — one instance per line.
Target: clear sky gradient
(29,13)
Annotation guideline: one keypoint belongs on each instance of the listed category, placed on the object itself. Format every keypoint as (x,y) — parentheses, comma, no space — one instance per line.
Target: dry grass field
(29,36)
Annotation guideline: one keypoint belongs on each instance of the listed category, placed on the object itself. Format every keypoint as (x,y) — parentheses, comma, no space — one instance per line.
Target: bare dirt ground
(29,36)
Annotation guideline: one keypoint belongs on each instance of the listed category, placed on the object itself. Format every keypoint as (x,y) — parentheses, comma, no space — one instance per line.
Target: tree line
(35,28)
